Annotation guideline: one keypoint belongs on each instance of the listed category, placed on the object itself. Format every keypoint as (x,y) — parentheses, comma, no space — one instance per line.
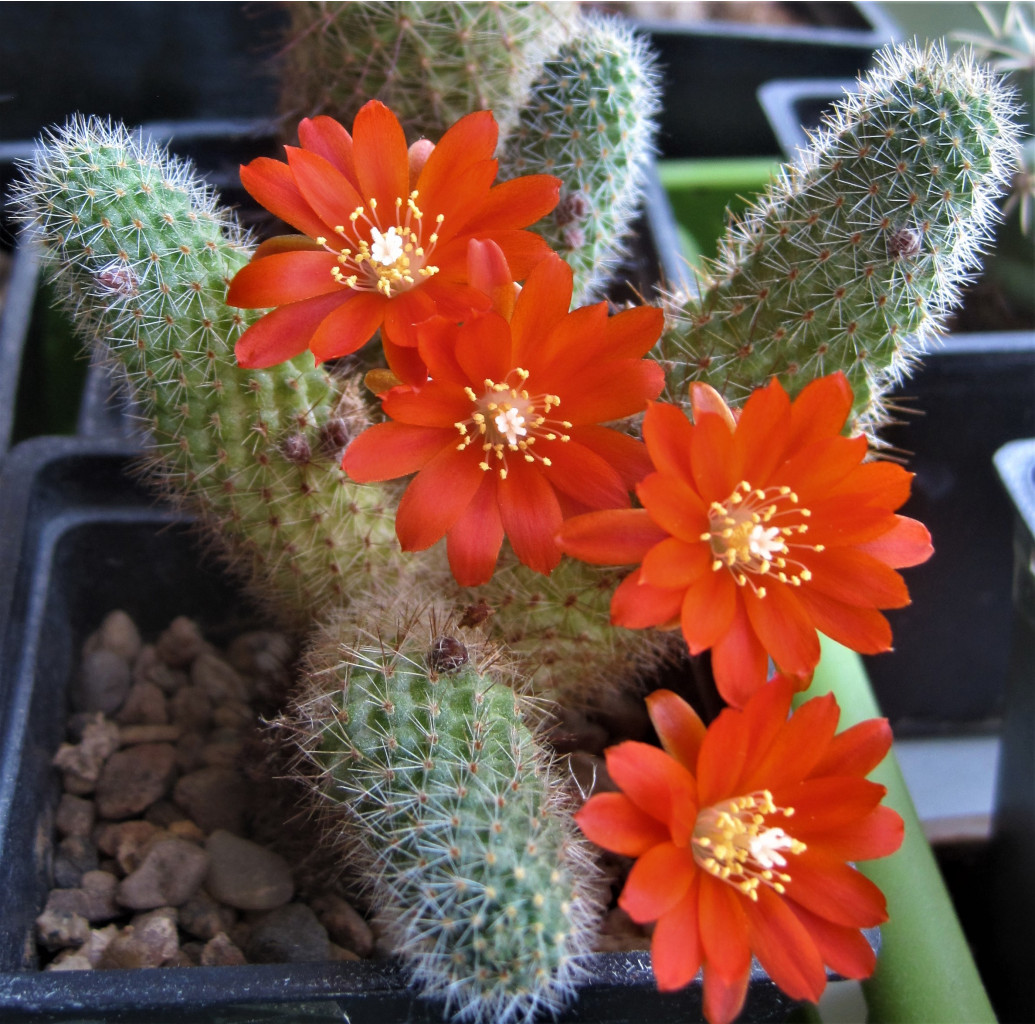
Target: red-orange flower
(756,532)
(384,233)
(742,835)
(505,436)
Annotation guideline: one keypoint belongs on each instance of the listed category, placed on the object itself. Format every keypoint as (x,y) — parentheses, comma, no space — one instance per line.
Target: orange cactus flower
(384,233)
(505,436)
(742,835)
(758,531)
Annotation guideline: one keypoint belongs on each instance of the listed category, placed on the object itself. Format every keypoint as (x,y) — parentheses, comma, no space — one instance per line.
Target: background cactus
(857,251)
(589,118)
(472,857)
(430,62)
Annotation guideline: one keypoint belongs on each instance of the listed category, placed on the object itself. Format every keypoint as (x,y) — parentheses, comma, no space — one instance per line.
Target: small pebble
(149,941)
(75,816)
(246,875)
(218,679)
(118,633)
(81,763)
(169,874)
(204,918)
(214,797)
(180,643)
(220,951)
(134,778)
(144,705)
(344,924)
(290,934)
(103,682)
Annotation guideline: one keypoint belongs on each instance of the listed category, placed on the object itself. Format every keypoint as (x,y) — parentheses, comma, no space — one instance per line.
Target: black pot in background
(80,539)
(712,70)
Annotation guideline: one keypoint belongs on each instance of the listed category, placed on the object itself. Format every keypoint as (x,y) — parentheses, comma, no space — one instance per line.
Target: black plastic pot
(712,71)
(79,539)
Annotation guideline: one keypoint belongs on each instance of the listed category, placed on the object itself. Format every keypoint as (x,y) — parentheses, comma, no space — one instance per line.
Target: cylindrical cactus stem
(425,762)
(857,251)
(141,253)
(589,118)
(430,62)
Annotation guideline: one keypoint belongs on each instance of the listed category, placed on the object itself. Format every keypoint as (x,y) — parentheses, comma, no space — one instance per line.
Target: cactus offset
(857,251)
(430,62)
(472,859)
(589,118)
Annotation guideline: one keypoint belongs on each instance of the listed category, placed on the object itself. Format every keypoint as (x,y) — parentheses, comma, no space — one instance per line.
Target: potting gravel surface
(178,842)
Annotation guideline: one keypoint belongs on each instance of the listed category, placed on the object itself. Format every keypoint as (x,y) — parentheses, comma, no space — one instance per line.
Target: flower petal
(470,140)
(674,506)
(626,454)
(785,948)
(862,629)
(820,410)
(583,475)
(675,948)
(380,154)
(739,661)
(282,278)
(678,726)
(327,138)
(349,327)
(389,450)
(656,783)
(519,201)
(531,516)
(784,628)
(271,184)
(542,303)
(326,190)
(845,950)
(473,543)
(708,610)
(657,882)
(609,537)
(856,750)
(668,434)
(724,930)
(283,333)
(675,563)
(831,889)
(613,390)
(907,543)
(436,498)
(614,822)
(433,404)
(636,604)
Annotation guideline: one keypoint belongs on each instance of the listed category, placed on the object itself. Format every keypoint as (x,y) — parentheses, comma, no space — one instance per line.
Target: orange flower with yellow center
(385,231)
(505,435)
(758,531)
(742,835)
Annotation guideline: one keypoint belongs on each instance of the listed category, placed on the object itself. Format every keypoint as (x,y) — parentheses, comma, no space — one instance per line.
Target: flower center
(507,420)
(733,842)
(387,259)
(751,534)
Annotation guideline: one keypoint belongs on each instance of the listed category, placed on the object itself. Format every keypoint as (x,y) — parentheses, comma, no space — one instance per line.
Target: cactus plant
(472,858)
(856,253)
(390,734)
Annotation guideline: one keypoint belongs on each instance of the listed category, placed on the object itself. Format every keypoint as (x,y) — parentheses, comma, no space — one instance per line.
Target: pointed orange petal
(286,277)
(761,436)
(724,929)
(674,564)
(516,203)
(326,190)
(542,304)
(432,405)
(907,543)
(878,482)
(272,185)
(721,759)
(831,889)
(531,516)
(845,950)
(327,138)
(656,783)
(878,834)
(436,498)
(389,450)
(562,353)
(708,610)
(856,750)
(784,628)
(470,140)
(723,997)
(612,390)
(631,333)
(614,822)
(626,454)
(706,401)
(285,243)
(487,270)
(712,459)
(862,629)
(739,661)
(785,948)
(819,468)
(678,726)
(657,882)
(823,804)
(674,506)
(473,543)
(675,948)
(637,605)
(583,475)
(284,333)
(349,327)
(852,577)
(820,410)
(609,537)
(668,434)
(380,154)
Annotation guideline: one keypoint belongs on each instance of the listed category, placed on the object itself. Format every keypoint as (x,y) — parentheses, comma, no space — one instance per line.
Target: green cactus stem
(589,118)
(430,62)
(141,253)
(471,856)
(857,251)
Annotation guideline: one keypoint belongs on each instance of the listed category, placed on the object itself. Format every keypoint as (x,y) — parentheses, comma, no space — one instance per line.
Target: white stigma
(511,424)
(386,249)
(764,543)
(763,847)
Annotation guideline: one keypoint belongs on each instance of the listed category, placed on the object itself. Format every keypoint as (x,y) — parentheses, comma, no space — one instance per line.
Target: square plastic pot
(80,539)
(711,71)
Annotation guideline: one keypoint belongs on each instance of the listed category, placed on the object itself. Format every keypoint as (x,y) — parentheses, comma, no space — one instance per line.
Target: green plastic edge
(925,972)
